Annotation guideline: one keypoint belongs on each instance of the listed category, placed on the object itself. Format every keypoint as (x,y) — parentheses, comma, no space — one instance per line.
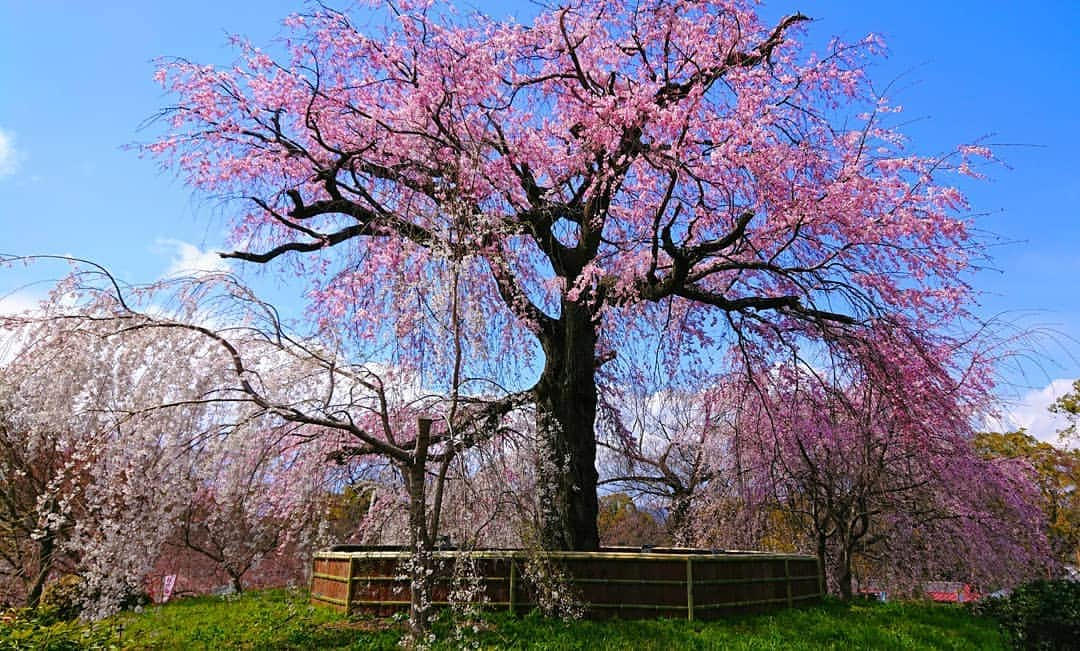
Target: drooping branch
(471,427)
(300,247)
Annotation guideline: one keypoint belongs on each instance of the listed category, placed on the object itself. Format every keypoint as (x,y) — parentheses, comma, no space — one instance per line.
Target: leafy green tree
(1057,473)
(1069,406)
(620,522)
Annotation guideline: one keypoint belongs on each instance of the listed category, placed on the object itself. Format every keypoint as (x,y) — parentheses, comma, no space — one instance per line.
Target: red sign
(167,587)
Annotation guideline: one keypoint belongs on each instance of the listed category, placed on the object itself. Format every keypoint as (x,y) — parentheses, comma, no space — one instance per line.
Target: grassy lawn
(264,619)
(276,619)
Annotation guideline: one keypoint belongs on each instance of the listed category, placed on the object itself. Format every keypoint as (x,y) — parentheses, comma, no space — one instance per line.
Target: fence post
(513,585)
(787,580)
(820,576)
(348,586)
(690,588)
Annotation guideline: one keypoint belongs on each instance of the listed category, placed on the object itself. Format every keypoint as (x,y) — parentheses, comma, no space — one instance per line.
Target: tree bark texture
(419,540)
(566,447)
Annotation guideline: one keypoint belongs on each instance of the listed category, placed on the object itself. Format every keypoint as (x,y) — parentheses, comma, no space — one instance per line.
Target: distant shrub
(62,599)
(135,599)
(43,631)
(1038,615)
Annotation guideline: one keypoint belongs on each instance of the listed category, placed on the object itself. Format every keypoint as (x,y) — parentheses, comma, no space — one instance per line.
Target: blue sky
(75,86)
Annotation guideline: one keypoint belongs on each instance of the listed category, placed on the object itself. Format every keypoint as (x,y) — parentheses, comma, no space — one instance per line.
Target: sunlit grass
(277,619)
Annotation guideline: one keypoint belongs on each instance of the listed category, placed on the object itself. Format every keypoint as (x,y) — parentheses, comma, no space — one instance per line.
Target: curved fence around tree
(624,583)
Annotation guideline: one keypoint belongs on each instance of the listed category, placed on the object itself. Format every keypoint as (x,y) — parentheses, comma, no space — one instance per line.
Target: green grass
(266,619)
(830,626)
(276,619)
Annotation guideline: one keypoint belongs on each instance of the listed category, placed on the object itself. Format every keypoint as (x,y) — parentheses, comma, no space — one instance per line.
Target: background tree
(603,178)
(872,487)
(77,404)
(251,494)
(622,523)
(347,509)
(1057,474)
(1069,406)
(665,444)
(37,481)
(212,365)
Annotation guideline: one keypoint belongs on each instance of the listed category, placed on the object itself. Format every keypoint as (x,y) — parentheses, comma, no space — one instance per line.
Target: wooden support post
(690,588)
(513,585)
(787,580)
(311,580)
(348,586)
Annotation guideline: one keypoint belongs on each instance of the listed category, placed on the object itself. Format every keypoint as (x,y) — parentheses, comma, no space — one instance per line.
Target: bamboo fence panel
(691,584)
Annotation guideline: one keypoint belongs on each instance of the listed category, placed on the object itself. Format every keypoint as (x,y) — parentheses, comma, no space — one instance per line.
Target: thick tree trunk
(823,561)
(420,543)
(566,446)
(419,578)
(237,583)
(679,520)
(843,573)
(33,594)
(46,547)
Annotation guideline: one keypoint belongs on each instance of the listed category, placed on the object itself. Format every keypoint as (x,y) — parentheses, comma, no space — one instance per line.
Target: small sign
(167,586)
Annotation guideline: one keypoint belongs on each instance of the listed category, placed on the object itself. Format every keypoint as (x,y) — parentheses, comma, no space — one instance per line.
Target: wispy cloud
(1032,412)
(14,304)
(9,156)
(18,303)
(190,260)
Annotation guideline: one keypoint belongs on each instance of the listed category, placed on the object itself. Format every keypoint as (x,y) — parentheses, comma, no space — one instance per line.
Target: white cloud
(14,304)
(1032,412)
(9,156)
(190,260)
(18,303)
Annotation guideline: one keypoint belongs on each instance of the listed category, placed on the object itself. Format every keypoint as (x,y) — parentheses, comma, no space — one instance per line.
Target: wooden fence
(694,584)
